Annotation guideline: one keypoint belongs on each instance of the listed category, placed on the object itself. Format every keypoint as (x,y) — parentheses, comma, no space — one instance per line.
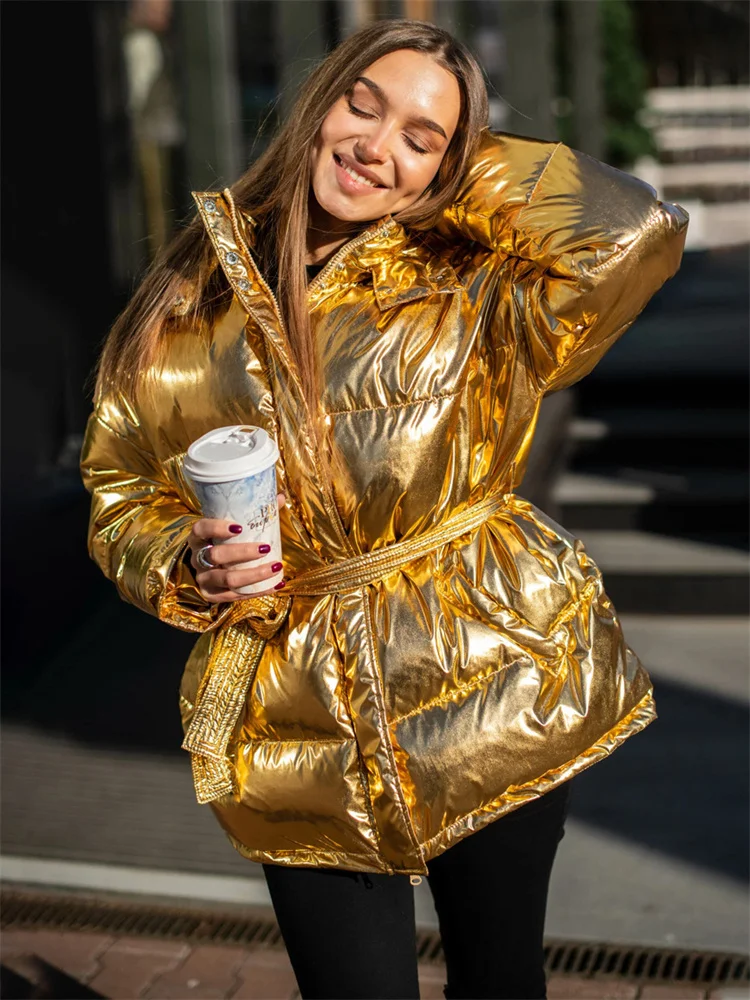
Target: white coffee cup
(233,472)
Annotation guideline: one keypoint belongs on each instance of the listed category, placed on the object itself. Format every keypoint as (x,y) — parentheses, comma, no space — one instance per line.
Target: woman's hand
(219,585)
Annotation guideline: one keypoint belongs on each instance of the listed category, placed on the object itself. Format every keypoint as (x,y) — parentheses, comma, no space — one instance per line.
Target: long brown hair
(275,191)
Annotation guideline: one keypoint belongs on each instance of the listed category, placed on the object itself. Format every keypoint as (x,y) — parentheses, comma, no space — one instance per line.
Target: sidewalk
(126,968)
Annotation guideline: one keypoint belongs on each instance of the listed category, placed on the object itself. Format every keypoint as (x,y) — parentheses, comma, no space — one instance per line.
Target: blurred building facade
(698,109)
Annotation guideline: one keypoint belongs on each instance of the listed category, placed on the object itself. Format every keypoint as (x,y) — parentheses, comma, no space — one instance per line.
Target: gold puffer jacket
(445,651)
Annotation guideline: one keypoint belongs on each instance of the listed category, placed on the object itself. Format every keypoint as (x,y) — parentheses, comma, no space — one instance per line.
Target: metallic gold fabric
(239,645)
(418,678)
(235,653)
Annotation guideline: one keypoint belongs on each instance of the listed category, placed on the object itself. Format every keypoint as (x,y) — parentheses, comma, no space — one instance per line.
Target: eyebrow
(381,95)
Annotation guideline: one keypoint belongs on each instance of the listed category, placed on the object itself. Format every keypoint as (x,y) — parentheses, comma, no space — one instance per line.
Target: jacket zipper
(327,492)
(329,266)
(340,253)
(346,248)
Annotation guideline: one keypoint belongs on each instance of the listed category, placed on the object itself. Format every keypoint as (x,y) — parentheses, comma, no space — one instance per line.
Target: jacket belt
(241,636)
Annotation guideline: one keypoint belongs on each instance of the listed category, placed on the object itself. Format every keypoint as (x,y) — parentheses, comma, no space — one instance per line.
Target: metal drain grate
(76,913)
(583,959)
(664,965)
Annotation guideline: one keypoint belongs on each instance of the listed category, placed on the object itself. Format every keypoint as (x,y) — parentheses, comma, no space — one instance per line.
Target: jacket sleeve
(139,526)
(589,246)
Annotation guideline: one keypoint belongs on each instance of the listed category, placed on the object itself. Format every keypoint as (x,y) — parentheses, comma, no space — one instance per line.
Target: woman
(443,657)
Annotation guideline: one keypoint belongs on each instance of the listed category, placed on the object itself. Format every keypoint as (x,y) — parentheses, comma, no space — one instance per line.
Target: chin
(348,211)
(345,213)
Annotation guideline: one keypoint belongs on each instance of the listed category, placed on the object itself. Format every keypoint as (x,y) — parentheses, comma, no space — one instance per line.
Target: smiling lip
(353,184)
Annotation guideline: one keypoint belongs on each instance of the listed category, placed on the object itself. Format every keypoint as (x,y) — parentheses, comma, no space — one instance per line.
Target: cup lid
(230,453)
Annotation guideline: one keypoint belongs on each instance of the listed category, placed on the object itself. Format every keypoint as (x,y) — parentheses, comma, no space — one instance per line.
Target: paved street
(126,968)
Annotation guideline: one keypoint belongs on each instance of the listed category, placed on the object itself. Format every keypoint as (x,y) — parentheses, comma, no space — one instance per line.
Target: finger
(228,555)
(233,579)
(281,499)
(225,596)
(209,528)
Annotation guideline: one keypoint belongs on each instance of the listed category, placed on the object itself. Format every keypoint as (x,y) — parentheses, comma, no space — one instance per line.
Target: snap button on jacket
(445,651)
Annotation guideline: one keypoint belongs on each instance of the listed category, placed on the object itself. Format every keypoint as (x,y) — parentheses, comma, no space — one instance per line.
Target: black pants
(353,936)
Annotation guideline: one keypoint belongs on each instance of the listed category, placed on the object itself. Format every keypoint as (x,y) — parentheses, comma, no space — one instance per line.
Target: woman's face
(382,143)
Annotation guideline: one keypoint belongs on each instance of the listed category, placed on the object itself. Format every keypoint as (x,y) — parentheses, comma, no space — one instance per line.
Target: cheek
(335,127)
(328,136)
(419,175)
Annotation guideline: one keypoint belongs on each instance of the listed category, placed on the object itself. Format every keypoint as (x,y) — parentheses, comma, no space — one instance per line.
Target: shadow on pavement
(680,787)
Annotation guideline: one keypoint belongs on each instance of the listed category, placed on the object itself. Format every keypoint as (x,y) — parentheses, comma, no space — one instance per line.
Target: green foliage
(625,81)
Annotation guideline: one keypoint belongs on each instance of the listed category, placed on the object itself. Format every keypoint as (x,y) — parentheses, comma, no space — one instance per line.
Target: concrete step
(646,422)
(667,103)
(580,488)
(588,501)
(704,654)
(704,174)
(656,574)
(698,504)
(702,137)
(666,470)
(700,439)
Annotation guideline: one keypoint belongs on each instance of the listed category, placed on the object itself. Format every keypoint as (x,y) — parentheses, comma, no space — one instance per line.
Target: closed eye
(359,112)
(417,149)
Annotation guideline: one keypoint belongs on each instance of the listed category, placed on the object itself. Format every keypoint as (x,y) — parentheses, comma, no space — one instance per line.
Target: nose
(372,146)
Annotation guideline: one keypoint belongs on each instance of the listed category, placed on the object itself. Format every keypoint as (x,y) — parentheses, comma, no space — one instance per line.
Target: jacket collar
(403,267)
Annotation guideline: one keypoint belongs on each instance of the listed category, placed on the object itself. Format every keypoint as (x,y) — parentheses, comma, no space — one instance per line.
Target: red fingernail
(280,585)
(263,549)
(275,567)
(235,528)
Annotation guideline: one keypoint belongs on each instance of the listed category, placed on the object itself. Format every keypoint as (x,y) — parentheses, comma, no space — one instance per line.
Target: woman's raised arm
(589,244)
